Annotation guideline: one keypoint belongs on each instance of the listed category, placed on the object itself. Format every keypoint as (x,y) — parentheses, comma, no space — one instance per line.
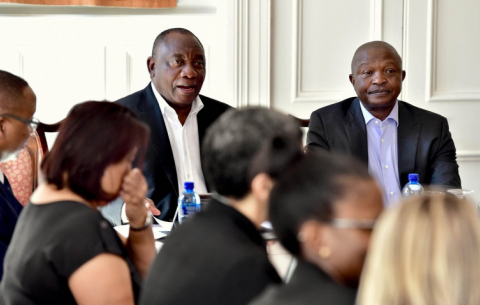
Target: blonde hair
(425,251)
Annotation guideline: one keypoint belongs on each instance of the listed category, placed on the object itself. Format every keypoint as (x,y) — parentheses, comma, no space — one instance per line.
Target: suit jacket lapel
(356,130)
(149,112)
(407,138)
(203,120)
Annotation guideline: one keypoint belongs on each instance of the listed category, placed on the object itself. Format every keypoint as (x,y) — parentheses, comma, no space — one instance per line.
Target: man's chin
(381,102)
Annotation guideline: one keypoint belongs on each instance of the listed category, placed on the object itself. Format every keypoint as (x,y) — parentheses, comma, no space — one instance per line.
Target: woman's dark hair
(308,189)
(277,155)
(93,136)
(233,142)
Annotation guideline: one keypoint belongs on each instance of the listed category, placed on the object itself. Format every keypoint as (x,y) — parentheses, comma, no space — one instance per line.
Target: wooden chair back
(41,138)
(301,122)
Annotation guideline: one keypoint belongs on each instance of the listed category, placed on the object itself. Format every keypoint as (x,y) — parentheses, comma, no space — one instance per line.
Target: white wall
(292,55)
(69,56)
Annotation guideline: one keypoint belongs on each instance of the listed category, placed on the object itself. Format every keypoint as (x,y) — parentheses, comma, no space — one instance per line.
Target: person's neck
(249,207)
(182,112)
(381,113)
(46,193)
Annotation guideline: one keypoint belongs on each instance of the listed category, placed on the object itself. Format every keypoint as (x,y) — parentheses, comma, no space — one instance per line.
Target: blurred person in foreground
(17,106)
(322,210)
(63,251)
(219,256)
(425,251)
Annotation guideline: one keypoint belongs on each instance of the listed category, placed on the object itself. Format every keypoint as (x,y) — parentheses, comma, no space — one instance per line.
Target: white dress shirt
(383,153)
(184,142)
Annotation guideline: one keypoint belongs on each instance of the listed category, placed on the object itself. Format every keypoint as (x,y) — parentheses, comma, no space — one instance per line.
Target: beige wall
(291,55)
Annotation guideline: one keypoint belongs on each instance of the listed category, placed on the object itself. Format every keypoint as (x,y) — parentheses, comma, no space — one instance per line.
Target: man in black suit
(218,256)
(17,106)
(392,136)
(177,115)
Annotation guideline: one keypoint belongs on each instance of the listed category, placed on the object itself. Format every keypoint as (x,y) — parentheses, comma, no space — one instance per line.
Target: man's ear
(151,66)
(403,74)
(261,186)
(2,127)
(352,79)
(310,233)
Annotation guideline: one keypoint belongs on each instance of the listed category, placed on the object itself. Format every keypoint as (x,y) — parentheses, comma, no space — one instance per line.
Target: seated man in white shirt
(393,137)
(178,117)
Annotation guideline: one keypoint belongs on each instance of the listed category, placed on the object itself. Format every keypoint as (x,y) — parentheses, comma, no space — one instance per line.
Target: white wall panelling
(451,53)
(75,54)
(441,63)
(311,57)
(252,47)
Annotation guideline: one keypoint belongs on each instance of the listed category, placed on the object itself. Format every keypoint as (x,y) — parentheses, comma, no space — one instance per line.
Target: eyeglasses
(32,123)
(344,223)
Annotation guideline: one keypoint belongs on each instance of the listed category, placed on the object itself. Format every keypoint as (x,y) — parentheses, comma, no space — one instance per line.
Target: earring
(324,252)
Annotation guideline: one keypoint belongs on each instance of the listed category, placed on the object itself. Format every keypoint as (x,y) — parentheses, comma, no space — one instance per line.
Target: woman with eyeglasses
(424,251)
(322,210)
(63,251)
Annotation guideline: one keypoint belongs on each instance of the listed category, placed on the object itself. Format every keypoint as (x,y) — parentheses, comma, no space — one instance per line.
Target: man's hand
(151,206)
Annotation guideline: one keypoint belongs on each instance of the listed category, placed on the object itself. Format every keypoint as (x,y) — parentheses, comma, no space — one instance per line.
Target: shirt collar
(368,116)
(197,104)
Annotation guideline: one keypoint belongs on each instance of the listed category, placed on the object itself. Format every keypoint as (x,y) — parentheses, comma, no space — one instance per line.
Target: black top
(51,241)
(309,285)
(216,257)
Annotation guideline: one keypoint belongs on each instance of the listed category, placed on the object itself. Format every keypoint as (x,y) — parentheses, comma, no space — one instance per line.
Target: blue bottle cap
(188,185)
(413,178)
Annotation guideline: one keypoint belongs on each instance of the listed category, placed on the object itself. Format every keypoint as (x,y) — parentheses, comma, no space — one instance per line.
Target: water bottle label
(415,187)
(189,209)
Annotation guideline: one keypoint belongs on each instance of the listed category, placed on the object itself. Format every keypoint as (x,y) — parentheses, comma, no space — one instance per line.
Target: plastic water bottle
(188,202)
(412,188)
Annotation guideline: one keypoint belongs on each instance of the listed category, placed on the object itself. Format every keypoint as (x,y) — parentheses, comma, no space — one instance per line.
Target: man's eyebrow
(178,55)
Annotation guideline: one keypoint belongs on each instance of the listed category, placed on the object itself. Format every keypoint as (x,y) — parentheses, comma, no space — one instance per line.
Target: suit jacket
(308,285)
(425,145)
(215,257)
(10,209)
(159,169)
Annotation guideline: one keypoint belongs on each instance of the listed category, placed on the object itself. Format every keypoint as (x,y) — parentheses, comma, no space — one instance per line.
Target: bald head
(374,45)
(12,91)
(163,35)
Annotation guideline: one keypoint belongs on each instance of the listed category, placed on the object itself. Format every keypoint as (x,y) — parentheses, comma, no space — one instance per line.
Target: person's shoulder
(339,107)
(420,113)
(214,104)
(272,295)
(131,99)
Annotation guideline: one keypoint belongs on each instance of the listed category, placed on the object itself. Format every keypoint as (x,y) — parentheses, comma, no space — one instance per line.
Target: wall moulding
(298,95)
(252,52)
(432,94)
(468,156)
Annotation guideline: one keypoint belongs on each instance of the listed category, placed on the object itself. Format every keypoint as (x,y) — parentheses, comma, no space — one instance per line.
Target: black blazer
(159,168)
(216,257)
(425,145)
(10,210)
(308,285)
